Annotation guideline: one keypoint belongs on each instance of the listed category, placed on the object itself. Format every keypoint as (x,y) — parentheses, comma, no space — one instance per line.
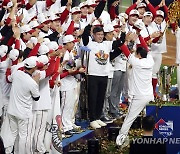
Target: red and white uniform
(42,107)
(158,48)
(6,87)
(68,92)
(140,89)
(20,107)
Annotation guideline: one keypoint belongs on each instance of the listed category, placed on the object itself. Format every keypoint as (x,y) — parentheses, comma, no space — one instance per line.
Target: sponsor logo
(164,128)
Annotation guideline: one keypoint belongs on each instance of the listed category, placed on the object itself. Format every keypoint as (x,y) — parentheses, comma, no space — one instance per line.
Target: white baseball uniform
(41,109)
(6,87)
(68,96)
(23,90)
(140,90)
(158,48)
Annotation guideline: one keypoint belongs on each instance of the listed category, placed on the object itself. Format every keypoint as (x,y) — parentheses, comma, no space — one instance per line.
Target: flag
(53,138)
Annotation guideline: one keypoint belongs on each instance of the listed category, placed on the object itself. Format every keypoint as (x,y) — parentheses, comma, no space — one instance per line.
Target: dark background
(156,2)
(109,2)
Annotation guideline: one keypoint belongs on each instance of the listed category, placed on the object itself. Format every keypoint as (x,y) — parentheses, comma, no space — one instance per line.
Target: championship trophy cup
(165,82)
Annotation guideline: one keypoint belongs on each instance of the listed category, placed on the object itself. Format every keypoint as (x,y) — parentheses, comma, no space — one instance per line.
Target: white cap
(25,28)
(75,9)
(83,4)
(52,16)
(123,15)
(62,8)
(33,40)
(33,24)
(148,13)
(91,3)
(116,23)
(141,5)
(43,59)
(139,24)
(134,12)
(13,55)
(43,49)
(10,4)
(3,50)
(68,38)
(160,13)
(52,45)
(46,14)
(41,18)
(45,41)
(96,23)
(31,62)
(108,28)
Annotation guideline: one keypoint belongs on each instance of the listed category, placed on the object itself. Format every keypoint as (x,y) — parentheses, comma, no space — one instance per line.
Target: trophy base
(165,97)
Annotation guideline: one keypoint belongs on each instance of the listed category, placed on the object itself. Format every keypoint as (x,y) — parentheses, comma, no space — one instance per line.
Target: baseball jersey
(23,89)
(44,102)
(69,82)
(140,80)
(84,22)
(159,47)
(177,46)
(120,63)
(105,17)
(146,31)
(6,87)
(129,28)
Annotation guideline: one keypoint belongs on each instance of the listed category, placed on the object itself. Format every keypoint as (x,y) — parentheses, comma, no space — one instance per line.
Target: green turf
(124,3)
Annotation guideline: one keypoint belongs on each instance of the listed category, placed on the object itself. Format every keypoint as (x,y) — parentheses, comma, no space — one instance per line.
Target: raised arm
(86,34)
(100,7)
(151,8)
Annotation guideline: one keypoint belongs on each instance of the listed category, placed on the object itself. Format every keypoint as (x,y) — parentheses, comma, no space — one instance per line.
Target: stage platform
(79,141)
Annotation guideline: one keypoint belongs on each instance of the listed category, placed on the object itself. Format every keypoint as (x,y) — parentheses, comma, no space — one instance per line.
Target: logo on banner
(57,134)
(164,128)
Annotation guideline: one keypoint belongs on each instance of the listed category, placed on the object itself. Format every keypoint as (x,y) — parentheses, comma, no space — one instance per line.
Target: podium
(167,126)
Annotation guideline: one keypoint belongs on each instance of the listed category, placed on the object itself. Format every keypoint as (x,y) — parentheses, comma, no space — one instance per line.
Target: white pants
(178,79)
(1,104)
(19,128)
(40,120)
(157,57)
(136,105)
(68,106)
(77,93)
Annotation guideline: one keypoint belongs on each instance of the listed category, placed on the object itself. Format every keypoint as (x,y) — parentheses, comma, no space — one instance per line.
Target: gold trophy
(174,13)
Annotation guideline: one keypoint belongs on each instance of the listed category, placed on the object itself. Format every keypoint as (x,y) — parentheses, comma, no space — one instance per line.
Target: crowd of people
(48,49)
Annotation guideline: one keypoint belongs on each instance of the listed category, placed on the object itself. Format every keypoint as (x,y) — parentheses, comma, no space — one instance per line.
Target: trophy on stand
(165,82)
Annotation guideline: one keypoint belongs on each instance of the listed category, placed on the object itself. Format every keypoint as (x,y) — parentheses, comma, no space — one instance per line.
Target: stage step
(80,140)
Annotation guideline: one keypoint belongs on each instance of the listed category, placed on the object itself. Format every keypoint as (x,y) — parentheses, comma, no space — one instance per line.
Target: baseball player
(24,90)
(159,47)
(4,62)
(69,86)
(140,86)
(141,8)
(43,105)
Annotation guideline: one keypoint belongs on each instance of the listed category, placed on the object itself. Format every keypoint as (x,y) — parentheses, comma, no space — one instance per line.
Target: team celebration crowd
(47,50)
